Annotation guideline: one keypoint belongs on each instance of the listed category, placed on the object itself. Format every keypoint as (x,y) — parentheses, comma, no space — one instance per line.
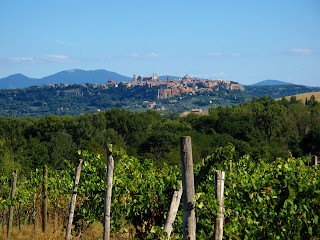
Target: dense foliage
(278,91)
(270,194)
(141,194)
(75,99)
(263,128)
(277,200)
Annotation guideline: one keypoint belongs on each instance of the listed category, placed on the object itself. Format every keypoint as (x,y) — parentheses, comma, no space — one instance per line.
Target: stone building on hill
(185,85)
(154,77)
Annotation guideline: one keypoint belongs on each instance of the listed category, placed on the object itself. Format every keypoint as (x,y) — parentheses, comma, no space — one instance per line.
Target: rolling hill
(271,83)
(302,97)
(17,81)
(74,76)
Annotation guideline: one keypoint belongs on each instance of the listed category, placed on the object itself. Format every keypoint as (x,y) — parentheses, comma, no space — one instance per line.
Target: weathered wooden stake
(55,210)
(64,221)
(55,217)
(44,198)
(314,160)
(34,217)
(189,214)
(38,212)
(26,219)
(107,201)
(13,192)
(19,217)
(219,176)
(73,200)
(173,211)
(3,218)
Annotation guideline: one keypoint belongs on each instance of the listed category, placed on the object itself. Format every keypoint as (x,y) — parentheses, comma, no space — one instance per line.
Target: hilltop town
(174,87)
(164,94)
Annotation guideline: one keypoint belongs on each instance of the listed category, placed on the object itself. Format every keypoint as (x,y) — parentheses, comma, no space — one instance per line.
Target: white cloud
(301,51)
(154,55)
(220,54)
(215,54)
(55,58)
(37,59)
(64,43)
(60,42)
(137,55)
(21,59)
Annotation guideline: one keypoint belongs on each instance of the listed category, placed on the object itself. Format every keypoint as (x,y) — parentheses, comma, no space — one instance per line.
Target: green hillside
(303,96)
(78,99)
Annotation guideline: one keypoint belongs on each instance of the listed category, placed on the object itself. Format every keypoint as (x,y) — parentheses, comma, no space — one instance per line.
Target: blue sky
(243,41)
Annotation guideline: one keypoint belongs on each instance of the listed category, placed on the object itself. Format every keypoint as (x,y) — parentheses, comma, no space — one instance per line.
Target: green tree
(36,154)
(45,127)
(62,148)
(157,145)
(8,163)
(311,142)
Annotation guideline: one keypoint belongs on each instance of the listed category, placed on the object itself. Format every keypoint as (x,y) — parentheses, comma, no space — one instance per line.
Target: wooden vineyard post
(34,217)
(107,201)
(13,192)
(173,211)
(189,214)
(314,160)
(45,199)
(73,200)
(219,176)
(19,217)
(55,218)
(55,210)
(3,219)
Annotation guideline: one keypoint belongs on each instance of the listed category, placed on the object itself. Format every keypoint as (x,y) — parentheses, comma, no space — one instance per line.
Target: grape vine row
(277,200)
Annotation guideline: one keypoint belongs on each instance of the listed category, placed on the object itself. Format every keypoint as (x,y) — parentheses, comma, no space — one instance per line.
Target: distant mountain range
(271,83)
(78,76)
(17,81)
(75,76)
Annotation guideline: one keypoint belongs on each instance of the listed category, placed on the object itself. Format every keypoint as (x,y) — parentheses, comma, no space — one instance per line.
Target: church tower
(134,78)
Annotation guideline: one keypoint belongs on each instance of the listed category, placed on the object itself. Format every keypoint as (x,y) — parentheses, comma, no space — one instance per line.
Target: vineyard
(262,200)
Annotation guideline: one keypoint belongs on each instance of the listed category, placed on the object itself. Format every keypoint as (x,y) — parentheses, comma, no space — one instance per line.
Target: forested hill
(74,76)
(278,91)
(77,99)
(263,128)
(271,83)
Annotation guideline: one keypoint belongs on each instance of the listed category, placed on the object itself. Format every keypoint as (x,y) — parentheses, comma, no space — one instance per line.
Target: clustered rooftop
(173,87)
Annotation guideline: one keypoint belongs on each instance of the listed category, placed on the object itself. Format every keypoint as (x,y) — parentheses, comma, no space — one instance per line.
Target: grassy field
(94,232)
(303,96)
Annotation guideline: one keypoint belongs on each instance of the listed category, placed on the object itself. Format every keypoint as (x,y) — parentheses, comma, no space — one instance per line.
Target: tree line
(77,99)
(264,128)
(74,100)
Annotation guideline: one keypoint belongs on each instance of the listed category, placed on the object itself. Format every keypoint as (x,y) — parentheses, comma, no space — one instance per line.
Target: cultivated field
(303,96)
